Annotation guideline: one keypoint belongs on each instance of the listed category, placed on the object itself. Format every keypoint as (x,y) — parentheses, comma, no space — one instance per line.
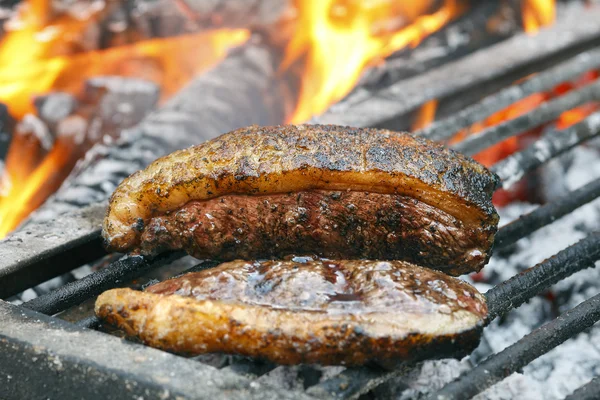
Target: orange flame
(537,14)
(425,115)
(337,39)
(44,180)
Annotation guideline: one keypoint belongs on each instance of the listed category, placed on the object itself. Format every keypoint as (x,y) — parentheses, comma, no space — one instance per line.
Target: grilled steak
(327,312)
(325,190)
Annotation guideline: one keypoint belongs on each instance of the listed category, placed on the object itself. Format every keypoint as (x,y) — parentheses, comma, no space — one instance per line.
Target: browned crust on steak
(327,312)
(332,224)
(283,159)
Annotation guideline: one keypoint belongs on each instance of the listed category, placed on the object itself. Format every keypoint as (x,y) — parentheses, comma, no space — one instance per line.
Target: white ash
(298,377)
(575,362)
(431,376)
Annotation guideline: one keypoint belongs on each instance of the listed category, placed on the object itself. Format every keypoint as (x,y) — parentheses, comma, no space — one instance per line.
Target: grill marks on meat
(332,224)
(327,312)
(153,209)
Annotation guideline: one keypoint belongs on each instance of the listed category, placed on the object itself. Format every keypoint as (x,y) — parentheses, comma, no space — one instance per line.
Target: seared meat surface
(263,191)
(327,312)
(332,224)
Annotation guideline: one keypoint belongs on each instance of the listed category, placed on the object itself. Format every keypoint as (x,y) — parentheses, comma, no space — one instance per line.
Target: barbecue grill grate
(56,357)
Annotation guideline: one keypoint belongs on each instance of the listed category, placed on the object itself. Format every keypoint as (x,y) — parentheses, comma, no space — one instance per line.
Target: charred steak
(337,192)
(327,312)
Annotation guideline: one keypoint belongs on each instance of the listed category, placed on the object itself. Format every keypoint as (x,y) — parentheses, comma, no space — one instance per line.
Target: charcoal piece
(165,18)
(159,19)
(242,90)
(30,142)
(121,103)
(235,13)
(53,107)
(73,127)
(34,127)
(7,124)
(118,28)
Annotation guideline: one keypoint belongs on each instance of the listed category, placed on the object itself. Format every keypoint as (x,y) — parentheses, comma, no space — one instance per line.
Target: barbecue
(541,294)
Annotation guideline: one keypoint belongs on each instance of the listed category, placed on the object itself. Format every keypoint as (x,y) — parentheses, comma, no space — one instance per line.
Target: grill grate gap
(546,214)
(522,287)
(546,112)
(541,82)
(513,168)
(540,341)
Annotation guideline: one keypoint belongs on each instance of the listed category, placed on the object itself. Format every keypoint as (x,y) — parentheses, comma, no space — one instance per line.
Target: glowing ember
(503,149)
(536,14)
(495,153)
(339,38)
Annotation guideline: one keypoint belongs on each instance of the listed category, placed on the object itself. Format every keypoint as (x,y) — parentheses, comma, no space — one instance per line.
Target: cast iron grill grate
(56,357)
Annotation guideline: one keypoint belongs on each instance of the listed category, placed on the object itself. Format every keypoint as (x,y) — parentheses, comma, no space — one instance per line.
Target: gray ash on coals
(570,365)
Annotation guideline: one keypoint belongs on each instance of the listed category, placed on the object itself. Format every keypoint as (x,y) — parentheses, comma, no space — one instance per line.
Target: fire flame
(337,39)
(425,115)
(537,14)
(55,61)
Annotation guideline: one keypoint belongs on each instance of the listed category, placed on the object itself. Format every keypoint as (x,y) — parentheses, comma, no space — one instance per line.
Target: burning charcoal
(119,27)
(191,15)
(35,127)
(7,124)
(235,13)
(41,177)
(54,107)
(31,141)
(121,103)
(73,129)
(159,19)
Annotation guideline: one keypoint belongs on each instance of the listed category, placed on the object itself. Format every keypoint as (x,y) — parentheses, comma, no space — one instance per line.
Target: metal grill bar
(589,391)
(541,82)
(73,293)
(36,254)
(546,112)
(540,341)
(512,169)
(520,288)
(546,214)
